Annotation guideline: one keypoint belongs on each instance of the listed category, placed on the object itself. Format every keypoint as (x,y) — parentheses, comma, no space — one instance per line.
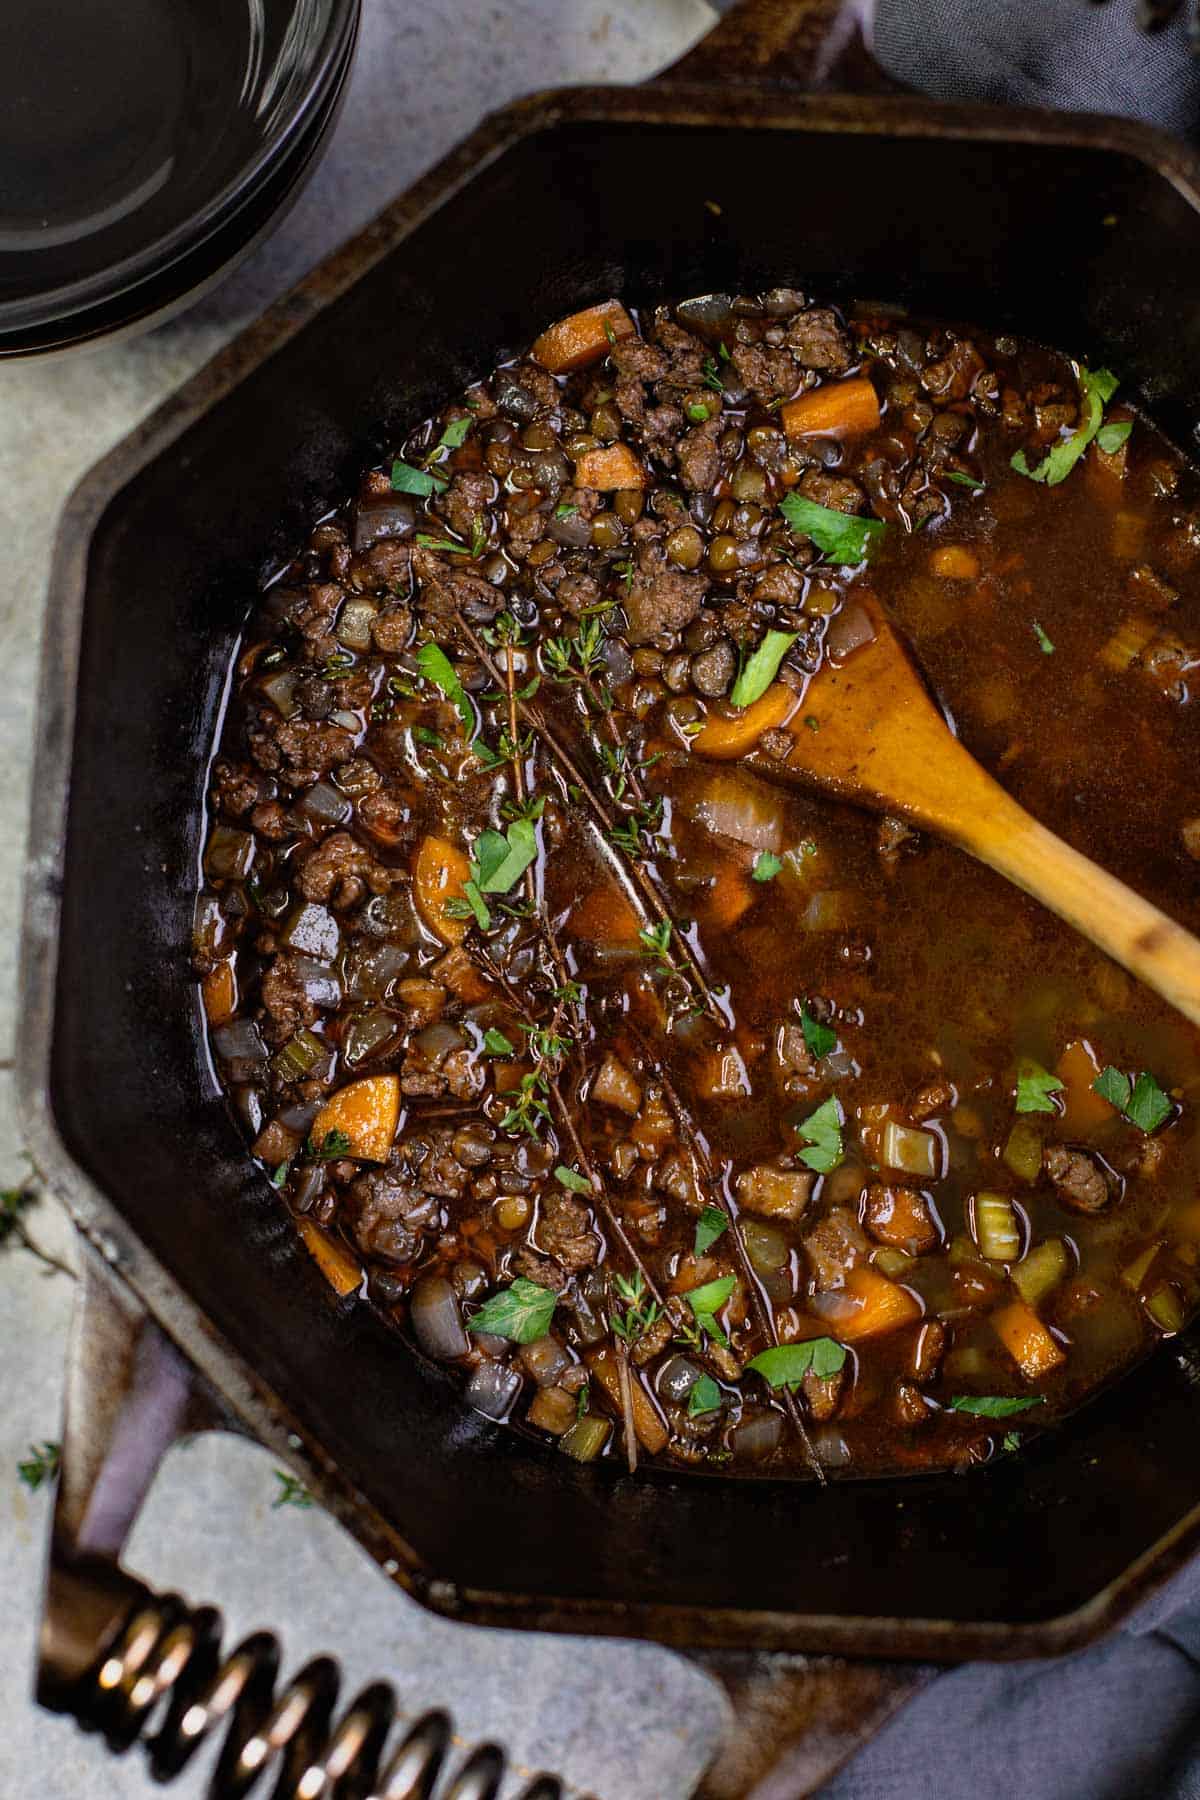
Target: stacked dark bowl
(145,147)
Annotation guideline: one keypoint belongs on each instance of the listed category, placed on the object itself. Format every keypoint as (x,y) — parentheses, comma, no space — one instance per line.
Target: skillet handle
(797,1719)
(121,1658)
(817,45)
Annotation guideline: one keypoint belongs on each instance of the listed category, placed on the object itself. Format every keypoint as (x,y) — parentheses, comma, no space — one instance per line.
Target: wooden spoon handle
(1134,933)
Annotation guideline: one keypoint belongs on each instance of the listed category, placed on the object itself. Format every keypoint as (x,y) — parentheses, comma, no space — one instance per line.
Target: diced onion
(324,804)
(739,807)
(354,626)
(492,1389)
(1041,1271)
(436,1321)
(911,1151)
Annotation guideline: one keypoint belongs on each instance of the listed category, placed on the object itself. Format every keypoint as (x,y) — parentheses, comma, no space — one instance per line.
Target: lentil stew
(690,1116)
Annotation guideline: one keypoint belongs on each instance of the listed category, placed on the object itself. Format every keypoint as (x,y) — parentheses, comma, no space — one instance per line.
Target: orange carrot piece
(727,738)
(218,990)
(835,409)
(649,1428)
(1083,1109)
(604,916)
(582,338)
(439,871)
(367,1112)
(883,1306)
(340,1269)
(728,898)
(954,562)
(1027,1341)
(608,467)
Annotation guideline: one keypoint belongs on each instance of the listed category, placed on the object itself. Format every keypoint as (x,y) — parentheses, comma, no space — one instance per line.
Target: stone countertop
(621,1721)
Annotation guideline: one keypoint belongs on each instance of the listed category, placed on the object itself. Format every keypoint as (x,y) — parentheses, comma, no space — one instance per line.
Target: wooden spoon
(868,731)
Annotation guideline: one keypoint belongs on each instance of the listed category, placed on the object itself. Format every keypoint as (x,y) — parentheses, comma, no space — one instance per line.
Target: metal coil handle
(167,1665)
(134,1665)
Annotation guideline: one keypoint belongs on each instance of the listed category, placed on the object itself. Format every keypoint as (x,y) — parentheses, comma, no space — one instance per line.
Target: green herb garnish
(639,1314)
(292,1492)
(709,1227)
(332,1146)
(696,411)
(501,858)
(440,543)
(1097,388)
(818,1038)
(454,435)
(964,480)
(407,480)
(766,866)
(784,1365)
(992,1406)
(40,1466)
(703,1397)
(1044,644)
(571,1178)
(279,1175)
(436,666)
(496,1044)
(1111,437)
(1142,1101)
(842,537)
(705,1301)
(762,667)
(564,510)
(432,739)
(521,1312)
(822,1131)
(1035,1085)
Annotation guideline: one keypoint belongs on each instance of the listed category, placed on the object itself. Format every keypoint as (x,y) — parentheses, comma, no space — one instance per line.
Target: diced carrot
(1083,1108)
(218,990)
(1027,1341)
(954,562)
(507,1076)
(582,338)
(1126,643)
(837,408)
(340,1269)
(726,738)
(883,1306)
(609,466)
(439,871)
(367,1112)
(604,916)
(649,1428)
(728,898)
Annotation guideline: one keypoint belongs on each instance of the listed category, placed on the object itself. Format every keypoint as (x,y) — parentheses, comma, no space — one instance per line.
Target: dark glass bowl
(144,147)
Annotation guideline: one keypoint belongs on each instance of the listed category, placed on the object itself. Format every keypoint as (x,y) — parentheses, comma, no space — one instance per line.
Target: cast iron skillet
(1076,230)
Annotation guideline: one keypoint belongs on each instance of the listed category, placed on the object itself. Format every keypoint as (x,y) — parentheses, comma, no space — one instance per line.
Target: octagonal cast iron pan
(819,1608)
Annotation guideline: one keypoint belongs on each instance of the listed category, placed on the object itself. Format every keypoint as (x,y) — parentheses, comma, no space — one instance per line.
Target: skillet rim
(256,1405)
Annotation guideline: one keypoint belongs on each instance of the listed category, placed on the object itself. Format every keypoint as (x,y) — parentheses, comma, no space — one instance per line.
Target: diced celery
(1135,1272)
(586,1438)
(912,1151)
(997,1228)
(833,909)
(1041,1271)
(300,1054)
(367,1034)
(229,854)
(1022,1152)
(892,1263)
(1166,1308)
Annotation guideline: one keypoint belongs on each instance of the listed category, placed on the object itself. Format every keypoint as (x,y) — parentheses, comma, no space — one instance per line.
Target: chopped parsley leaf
(571,1178)
(709,1227)
(521,1312)
(822,1132)
(842,537)
(784,1365)
(818,1038)
(1035,1085)
(766,866)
